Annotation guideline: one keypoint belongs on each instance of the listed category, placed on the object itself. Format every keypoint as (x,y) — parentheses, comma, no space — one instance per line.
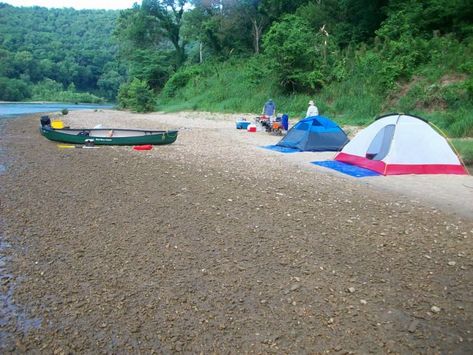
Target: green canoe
(108,136)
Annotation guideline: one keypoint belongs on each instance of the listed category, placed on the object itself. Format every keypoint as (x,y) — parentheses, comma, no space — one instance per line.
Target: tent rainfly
(398,144)
(315,133)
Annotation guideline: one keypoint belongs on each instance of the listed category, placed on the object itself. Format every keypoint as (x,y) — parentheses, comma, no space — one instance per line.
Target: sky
(76,4)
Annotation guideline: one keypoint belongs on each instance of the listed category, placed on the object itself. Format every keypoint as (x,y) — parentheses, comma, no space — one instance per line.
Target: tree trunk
(256,35)
(201,59)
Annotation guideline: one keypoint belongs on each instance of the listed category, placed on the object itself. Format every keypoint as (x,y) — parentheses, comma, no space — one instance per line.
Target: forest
(356,58)
(58,55)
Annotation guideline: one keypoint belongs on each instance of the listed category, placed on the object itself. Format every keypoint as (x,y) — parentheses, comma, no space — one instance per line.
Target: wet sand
(212,244)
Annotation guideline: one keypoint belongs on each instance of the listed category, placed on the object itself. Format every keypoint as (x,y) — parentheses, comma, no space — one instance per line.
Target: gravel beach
(214,245)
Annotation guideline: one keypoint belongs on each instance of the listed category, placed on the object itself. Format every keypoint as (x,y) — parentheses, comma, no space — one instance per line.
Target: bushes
(465,148)
(136,96)
(257,70)
(357,85)
(46,90)
(50,90)
(14,89)
(180,79)
(296,54)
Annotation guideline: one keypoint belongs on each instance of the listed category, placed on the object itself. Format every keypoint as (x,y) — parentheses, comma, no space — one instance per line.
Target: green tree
(167,14)
(346,22)
(146,35)
(136,96)
(13,89)
(63,45)
(225,28)
(435,16)
(109,83)
(276,9)
(296,54)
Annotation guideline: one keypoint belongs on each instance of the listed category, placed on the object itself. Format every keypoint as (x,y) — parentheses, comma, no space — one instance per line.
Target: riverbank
(212,244)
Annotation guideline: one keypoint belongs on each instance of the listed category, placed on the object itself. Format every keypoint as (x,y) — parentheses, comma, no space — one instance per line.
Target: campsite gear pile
(274,127)
(264,122)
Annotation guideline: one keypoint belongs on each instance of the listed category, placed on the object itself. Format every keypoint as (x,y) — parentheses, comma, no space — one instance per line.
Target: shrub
(296,54)
(136,96)
(50,90)
(465,148)
(257,69)
(13,89)
(180,80)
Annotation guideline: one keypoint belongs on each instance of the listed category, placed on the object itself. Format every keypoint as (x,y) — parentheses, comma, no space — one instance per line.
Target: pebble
(207,252)
(413,326)
(452,263)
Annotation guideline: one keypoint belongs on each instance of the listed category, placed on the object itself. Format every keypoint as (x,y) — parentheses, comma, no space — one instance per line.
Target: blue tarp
(280,149)
(344,168)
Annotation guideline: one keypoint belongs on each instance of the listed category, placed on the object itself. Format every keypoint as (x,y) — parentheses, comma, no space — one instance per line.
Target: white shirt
(312,111)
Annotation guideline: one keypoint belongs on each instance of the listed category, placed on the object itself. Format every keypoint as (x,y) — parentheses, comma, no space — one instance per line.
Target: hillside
(53,54)
(356,58)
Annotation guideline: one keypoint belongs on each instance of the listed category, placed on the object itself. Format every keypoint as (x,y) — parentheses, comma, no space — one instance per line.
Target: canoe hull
(117,136)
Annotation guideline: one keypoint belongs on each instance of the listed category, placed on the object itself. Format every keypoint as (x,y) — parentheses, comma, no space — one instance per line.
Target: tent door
(381,143)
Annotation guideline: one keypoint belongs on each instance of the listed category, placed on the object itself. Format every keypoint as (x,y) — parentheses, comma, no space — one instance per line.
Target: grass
(226,88)
(233,87)
(465,149)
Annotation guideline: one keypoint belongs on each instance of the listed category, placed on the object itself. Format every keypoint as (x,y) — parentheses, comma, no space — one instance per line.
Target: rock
(363,302)
(452,263)
(413,326)
(435,309)
(351,289)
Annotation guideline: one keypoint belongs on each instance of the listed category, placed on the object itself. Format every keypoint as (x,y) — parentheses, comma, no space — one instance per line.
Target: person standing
(312,110)
(269,109)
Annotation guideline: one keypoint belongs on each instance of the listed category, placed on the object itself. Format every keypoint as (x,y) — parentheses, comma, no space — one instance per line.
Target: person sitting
(312,110)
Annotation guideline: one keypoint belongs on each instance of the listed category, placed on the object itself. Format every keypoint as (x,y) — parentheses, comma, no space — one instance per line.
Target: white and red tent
(401,144)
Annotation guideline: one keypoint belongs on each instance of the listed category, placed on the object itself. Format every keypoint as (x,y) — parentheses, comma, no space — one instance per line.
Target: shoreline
(450,193)
(212,243)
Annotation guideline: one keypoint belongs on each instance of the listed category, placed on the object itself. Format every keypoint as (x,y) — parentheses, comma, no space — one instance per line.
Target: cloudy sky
(76,4)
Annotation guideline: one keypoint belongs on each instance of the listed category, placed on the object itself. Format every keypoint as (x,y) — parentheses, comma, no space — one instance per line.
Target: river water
(15,109)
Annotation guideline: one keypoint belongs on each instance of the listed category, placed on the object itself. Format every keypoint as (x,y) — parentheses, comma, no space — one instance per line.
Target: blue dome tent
(315,133)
